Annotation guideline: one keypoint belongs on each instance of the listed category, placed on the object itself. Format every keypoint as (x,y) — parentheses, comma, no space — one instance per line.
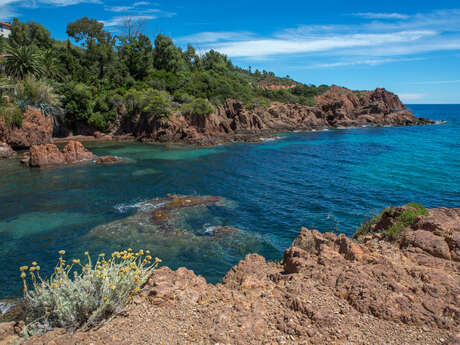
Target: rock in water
(6,151)
(49,154)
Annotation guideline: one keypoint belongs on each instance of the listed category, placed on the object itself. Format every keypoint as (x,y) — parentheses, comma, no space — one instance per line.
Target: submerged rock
(108,160)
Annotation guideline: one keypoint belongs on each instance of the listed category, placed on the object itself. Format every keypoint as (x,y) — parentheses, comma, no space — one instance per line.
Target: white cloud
(372,15)
(263,47)
(368,62)
(368,43)
(121,20)
(437,82)
(212,37)
(408,97)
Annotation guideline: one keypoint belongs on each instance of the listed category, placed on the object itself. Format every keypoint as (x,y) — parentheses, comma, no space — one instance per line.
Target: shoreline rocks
(328,289)
(6,151)
(73,152)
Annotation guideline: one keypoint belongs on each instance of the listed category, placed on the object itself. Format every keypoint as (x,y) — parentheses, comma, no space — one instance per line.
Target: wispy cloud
(387,38)
(408,97)
(213,37)
(366,62)
(121,20)
(436,82)
(373,15)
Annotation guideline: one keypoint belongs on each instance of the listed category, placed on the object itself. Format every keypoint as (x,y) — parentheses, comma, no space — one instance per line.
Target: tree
(137,54)
(85,29)
(167,56)
(22,61)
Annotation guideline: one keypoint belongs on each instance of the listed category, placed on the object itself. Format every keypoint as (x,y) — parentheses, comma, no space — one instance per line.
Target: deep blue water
(329,180)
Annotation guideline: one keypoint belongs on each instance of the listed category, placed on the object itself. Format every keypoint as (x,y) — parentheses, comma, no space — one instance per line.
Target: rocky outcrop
(6,151)
(49,154)
(338,107)
(36,129)
(328,289)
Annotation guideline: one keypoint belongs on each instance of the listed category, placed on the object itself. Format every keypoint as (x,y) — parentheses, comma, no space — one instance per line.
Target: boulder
(49,155)
(6,151)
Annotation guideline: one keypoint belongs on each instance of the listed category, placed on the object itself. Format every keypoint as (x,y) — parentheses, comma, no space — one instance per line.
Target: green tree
(167,56)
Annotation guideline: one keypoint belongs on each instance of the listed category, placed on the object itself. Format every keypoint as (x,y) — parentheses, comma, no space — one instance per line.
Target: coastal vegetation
(402,217)
(97,77)
(81,295)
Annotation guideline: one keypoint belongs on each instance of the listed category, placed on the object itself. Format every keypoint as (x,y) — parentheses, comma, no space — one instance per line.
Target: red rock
(74,152)
(45,155)
(108,160)
(36,129)
(6,151)
(49,154)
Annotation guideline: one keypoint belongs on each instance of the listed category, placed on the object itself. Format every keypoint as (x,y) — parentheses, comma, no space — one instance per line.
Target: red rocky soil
(328,289)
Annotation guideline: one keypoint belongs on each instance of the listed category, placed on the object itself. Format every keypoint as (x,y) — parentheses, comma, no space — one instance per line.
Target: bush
(97,121)
(159,104)
(407,218)
(199,106)
(82,296)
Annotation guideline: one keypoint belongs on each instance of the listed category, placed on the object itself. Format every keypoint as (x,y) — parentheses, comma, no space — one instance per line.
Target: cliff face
(328,289)
(36,129)
(338,107)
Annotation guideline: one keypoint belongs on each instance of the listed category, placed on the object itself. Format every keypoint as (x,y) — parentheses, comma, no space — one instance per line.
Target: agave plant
(22,61)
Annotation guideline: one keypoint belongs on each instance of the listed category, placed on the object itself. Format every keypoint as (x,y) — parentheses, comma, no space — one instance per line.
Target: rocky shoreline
(328,289)
(338,108)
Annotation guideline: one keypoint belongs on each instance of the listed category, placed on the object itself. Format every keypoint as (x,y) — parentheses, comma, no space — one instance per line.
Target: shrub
(159,103)
(81,296)
(12,115)
(199,107)
(97,121)
(405,219)
(36,92)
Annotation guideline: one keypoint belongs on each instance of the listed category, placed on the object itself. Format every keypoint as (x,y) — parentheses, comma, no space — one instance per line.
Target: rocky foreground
(328,289)
(336,108)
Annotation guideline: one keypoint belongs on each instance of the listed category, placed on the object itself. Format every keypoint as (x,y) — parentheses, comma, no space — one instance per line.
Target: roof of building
(5,23)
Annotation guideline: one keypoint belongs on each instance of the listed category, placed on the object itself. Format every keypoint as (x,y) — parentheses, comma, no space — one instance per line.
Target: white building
(5,29)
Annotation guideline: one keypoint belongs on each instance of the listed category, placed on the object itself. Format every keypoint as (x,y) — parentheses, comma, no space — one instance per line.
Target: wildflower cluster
(81,295)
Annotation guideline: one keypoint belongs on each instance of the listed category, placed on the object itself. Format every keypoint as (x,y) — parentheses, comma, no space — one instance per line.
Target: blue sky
(409,47)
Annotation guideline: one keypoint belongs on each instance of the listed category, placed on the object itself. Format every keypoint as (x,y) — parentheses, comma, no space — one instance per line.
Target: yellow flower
(147,251)
(59,282)
(23,268)
(130,250)
(76,261)
(37,268)
(61,252)
(34,263)
(105,299)
(55,285)
(148,257)
(32,269)
(102,255)
(23,275)
(158,260)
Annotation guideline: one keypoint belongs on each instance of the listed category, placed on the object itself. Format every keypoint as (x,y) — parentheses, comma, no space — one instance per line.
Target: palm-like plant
(22,61)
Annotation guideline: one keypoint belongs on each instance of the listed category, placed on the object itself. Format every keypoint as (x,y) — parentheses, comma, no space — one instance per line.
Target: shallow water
(329,180)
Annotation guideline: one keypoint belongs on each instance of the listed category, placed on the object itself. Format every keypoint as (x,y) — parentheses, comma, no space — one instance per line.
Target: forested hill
(96,76)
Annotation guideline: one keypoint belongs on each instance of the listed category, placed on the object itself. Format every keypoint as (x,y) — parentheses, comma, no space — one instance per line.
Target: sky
(409,47)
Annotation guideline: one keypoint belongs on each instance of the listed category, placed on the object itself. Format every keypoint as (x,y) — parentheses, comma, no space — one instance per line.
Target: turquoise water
(329,180)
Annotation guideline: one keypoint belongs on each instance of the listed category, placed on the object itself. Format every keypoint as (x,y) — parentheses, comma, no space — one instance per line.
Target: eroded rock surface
(336,108)
(36,129)
(49,155)
(328,289)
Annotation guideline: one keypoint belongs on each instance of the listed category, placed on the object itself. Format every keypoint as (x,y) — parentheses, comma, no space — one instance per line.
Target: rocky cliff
(36,129)
(338,107)
(328,289)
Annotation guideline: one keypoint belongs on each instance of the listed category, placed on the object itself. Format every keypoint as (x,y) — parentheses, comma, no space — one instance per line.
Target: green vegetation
(399,221)
(101,78)
(83,295)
